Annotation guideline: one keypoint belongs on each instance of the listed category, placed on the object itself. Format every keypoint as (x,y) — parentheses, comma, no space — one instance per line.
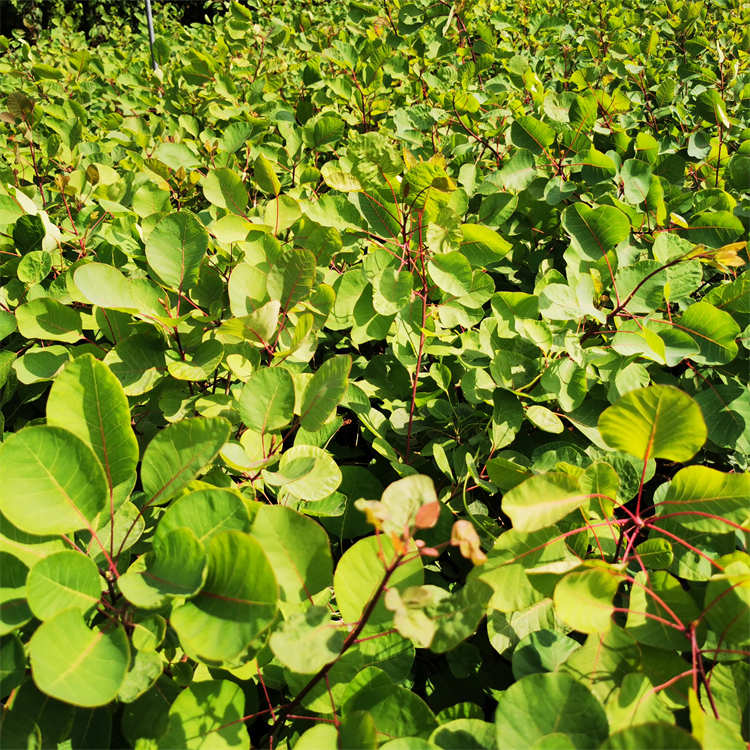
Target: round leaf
(179,452)
(584,600)
(655,422)
(77,665)
(542,500)
(175,568)
(206,513)
(61,581)
(542,704)
(359,573)
(298,550)
(45,318)
(233,607)
(207,716)
(51,482)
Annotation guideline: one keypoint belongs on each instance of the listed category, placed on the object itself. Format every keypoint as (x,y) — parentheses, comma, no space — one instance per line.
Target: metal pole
(151,34)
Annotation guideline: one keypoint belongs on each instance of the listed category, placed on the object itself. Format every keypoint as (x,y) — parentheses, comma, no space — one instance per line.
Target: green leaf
(603,661)
(327,694)
(467,734)
(646,280)
(451,272)
(232,608)
(726,411)
(482,246)
(306,472)
(342,181)
(291,277)
(45,318)
(357,729)
(138,362)
(544,419)
(281,213)
(594,232)
(519,172)
(324,392)
(148,716)
(505,631)
(145,669)
(360,572)
(87,399)
(28,548)
(392,291)
(542,500)
(542,704)
(597,167)
(507,418)
(51,482)
(458,616)
(63,580)
(307,641)
(223,187)
(40,363)
(374,159)
(319,737)
(531,134)
(321,133)
(257,328)
(175,249)
(713,229)
(584,600)
(713,332)
(654,735)
(267,400)
(14,608)
(380,212)
(12,663)
(655,554)
(728,603)
(704,498)
(542,651)
(199,365)
(655,422)
(265,175)
(178,452)
(636,178)
(176,568)
(205,512)
(176,155)
(19,730)
(636,702)
(207,715)
(34,267)
(710,731)
(108,288)
(77,665)
(298,550)
(659,610)
(567,381)
(396,711)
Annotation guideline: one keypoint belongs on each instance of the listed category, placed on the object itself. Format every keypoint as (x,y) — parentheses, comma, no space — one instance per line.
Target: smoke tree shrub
(376,376)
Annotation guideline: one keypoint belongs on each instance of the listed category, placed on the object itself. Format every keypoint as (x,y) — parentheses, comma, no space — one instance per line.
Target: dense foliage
(376,375)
